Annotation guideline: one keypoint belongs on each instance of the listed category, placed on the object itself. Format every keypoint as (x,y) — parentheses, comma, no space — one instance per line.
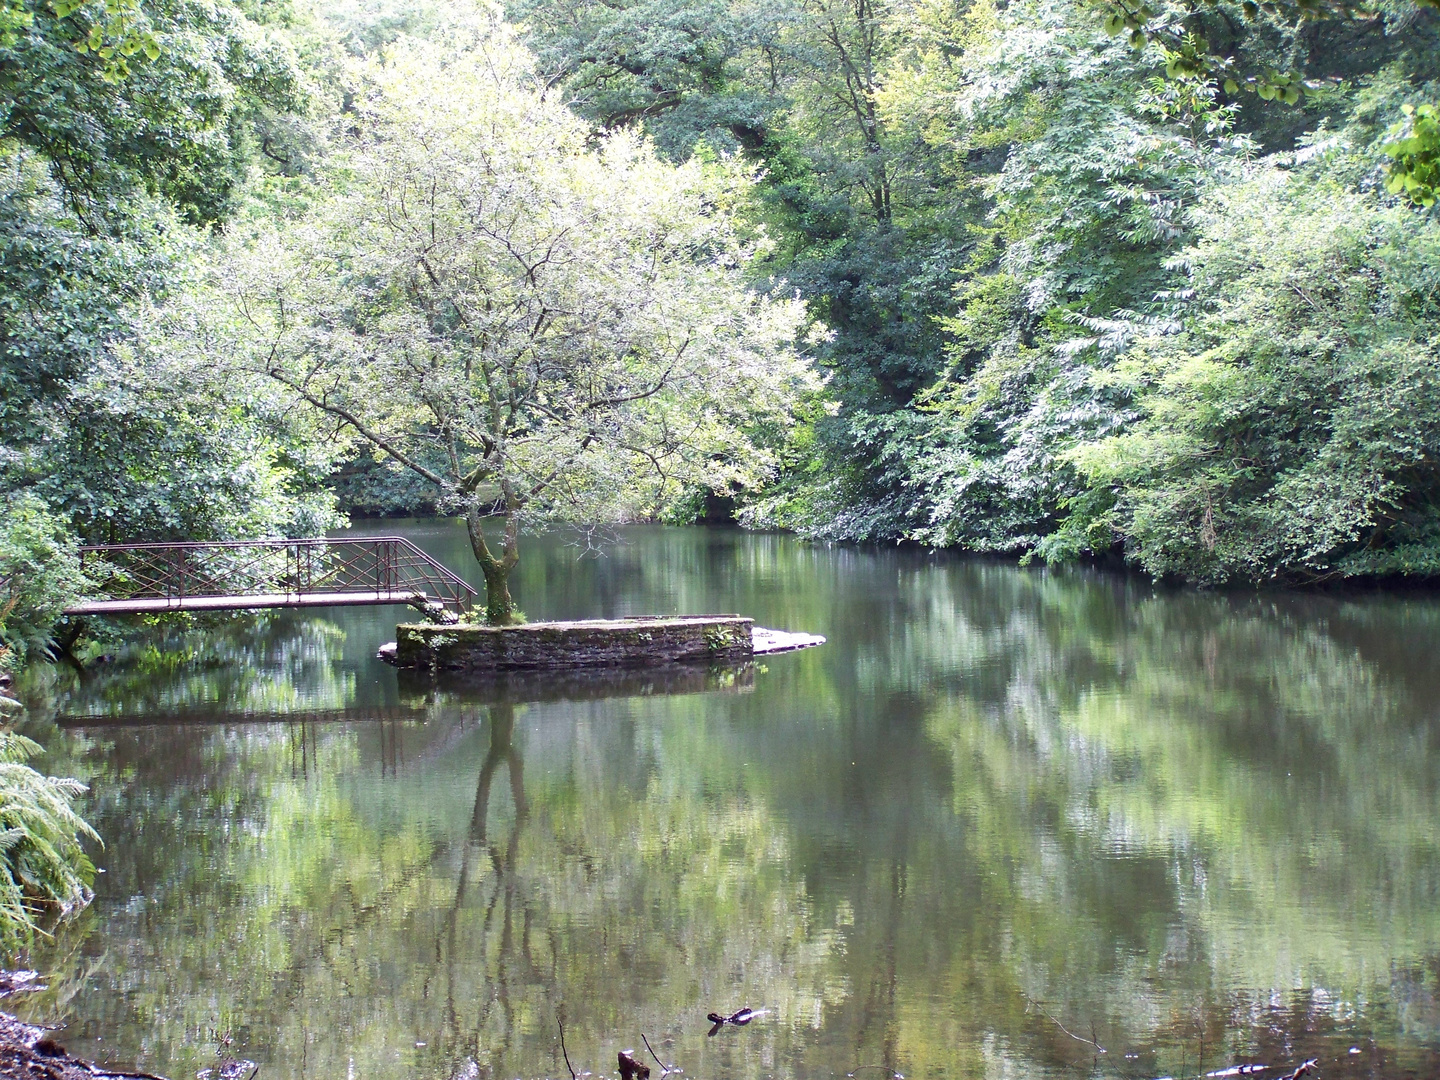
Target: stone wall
(591,643)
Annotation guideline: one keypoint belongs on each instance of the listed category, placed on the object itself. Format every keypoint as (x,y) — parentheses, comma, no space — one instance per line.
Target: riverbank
(31,1051)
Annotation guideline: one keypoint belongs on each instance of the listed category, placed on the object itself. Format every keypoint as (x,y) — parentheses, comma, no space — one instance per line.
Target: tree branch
(360,426)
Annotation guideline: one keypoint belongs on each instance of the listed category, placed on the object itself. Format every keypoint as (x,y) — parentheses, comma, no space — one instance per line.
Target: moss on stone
(630,643)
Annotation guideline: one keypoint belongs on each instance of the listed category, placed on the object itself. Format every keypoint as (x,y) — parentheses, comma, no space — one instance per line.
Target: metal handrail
(385,567)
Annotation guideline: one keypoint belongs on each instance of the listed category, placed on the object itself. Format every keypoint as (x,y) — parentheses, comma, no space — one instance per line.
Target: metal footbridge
(237,575)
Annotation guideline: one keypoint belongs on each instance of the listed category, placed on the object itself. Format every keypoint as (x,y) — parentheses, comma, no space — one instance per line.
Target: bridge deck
(152,605)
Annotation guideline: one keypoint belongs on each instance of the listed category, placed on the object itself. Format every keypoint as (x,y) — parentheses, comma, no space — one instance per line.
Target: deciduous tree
(537,327)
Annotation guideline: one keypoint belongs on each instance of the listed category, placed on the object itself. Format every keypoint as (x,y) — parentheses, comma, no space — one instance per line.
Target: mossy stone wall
(591,643)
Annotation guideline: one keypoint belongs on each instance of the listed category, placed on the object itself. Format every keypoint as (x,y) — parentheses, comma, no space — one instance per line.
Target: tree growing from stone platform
(541,324)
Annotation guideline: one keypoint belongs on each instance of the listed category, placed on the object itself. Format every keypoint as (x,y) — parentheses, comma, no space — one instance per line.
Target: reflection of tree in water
(502,897)
(1104,816)
(876,1026)
(258,663)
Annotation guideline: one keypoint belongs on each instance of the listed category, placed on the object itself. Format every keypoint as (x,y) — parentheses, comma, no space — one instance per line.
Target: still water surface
(1005,818)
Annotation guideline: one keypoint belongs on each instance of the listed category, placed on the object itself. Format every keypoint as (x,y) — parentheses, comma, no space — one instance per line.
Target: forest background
(1153,283)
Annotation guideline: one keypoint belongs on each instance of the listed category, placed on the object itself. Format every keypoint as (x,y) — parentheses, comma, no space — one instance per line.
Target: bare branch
(664,1069)
(573,1075)
(360,426)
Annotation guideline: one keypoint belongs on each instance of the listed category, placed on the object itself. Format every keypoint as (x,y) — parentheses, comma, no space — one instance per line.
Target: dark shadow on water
(222,716)
(424,688)
(580,684)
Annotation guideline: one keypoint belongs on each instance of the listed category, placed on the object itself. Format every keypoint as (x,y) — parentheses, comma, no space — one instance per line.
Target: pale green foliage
(510,313)
(43,867)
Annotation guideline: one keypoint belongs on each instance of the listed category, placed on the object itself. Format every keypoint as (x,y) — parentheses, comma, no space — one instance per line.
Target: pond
(1006,823)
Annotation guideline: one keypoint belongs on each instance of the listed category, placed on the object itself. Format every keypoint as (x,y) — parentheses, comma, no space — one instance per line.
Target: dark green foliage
(103,172)
(365,487)
(61,290)
(39,576)
(120,450)
(673,65)
(174,126)
(1188,49)
(997,215)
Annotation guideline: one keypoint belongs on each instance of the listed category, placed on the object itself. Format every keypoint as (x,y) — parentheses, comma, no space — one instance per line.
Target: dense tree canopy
(110,178)
(1007,215)
(538,329)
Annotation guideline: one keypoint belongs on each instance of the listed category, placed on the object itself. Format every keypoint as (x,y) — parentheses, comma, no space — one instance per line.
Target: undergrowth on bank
(44,870)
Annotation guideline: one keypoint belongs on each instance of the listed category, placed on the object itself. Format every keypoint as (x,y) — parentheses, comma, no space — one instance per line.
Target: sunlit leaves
(494,304)
(1415,166)
(1129,18)
(118,32)
(1193,103)
(1189,58)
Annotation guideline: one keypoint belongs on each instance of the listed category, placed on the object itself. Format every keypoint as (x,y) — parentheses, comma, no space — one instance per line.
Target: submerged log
(631,1068)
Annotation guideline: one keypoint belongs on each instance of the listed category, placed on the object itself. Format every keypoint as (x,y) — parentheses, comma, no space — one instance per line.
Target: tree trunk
(499,608)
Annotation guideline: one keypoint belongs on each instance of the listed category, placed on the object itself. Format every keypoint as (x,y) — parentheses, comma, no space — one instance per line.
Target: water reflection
(1003,820)
(583,684)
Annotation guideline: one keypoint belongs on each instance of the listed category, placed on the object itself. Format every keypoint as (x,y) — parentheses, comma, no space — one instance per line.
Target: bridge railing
(375,569)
